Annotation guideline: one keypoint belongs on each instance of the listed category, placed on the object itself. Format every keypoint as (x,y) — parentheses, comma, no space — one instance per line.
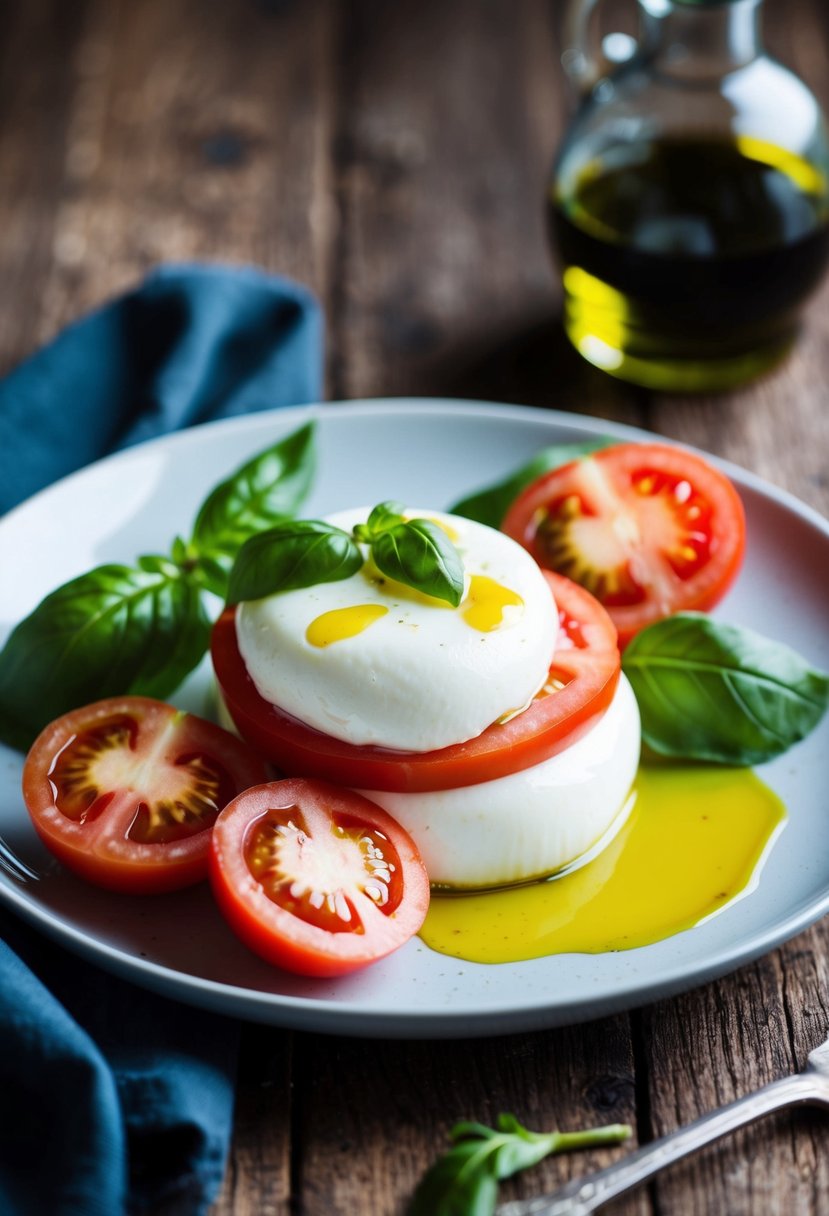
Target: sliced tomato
(125,792)
(316,879)
(579,689)
(648,529)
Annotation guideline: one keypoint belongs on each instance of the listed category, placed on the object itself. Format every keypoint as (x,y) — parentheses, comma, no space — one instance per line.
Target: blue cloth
(189,345)
(114,1100)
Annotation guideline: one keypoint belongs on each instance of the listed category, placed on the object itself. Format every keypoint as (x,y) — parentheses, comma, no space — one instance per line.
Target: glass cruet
(689,206)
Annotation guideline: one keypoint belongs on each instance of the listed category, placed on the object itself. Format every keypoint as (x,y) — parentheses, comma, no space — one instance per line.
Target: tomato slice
(580,687)
(315,879)
(647,528)
(125,792)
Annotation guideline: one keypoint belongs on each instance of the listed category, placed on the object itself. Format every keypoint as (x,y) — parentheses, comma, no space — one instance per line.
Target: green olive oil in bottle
(689,210)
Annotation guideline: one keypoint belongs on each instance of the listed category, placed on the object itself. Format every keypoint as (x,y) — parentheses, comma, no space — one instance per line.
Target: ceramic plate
(426,452)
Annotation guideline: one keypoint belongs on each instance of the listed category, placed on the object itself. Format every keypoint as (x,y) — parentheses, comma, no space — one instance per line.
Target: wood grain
(376,1114)
(152,143)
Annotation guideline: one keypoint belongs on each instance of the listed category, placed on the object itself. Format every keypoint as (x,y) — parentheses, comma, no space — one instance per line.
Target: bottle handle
(585,59)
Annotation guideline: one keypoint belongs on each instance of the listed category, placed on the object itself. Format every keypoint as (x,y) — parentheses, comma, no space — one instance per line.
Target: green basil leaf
(113,631)
(384,516)
(421,555)
(464,1181)
(489,506)
(459,1183)
(212,573)
(296,553)
(262,492)
(710,691)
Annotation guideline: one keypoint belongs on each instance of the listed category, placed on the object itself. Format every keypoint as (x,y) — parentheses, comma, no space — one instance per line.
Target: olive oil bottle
(690,217)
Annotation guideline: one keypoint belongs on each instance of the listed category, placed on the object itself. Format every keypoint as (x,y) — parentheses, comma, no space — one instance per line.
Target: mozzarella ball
(532,823)
(371,661)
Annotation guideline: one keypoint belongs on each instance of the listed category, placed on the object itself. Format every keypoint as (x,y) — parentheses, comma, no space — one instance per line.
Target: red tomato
(316,879)
(582,681)
(125,792)
(646,528)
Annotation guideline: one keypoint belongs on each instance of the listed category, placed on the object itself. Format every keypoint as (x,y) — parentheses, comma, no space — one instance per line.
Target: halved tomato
(125,792)
(316,879)
(647,528)
(580,687)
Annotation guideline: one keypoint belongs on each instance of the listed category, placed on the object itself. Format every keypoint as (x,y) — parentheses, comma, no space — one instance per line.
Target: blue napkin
(190,344)
(114,1100)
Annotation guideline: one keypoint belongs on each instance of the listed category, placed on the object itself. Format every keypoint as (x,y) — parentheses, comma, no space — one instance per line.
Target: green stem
(613,1133)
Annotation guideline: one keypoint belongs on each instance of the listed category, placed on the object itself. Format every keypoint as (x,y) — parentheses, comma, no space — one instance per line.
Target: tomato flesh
(125,792)
(580,686)
(647,528)
(315,879)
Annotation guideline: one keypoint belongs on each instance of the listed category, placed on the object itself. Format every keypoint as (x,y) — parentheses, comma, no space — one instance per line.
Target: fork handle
(585,1195)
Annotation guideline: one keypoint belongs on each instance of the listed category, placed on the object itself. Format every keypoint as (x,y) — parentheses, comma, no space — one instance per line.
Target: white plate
(426,452)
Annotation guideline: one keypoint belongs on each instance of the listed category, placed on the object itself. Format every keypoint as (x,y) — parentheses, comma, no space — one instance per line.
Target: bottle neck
(700,41)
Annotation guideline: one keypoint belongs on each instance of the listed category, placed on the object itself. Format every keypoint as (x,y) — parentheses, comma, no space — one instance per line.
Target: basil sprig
(416,552)
(489,506)
(268,488)
(464,1181)
(712,691)
(298,553)
(141,629)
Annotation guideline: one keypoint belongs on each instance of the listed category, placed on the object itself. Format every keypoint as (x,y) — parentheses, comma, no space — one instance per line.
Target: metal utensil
(583,1195)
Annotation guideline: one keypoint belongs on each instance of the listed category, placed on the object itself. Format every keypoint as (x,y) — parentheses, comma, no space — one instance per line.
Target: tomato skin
(611,480)
(276,933)
(94,841)
(587,661)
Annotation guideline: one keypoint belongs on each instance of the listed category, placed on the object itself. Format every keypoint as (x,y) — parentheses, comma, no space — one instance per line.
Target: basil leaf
(421,555)
(464,1181)
(460,1183)
(709,691)
(489,506)
(113,631)
(263,491)
(297,553)
(384,516)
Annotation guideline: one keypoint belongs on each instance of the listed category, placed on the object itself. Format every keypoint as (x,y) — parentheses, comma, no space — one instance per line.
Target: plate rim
(349,1017)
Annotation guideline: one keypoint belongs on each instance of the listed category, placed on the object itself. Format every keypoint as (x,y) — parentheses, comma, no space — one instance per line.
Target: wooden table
(393,156)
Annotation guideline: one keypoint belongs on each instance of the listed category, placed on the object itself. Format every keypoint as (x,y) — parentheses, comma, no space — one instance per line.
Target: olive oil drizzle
(693,843)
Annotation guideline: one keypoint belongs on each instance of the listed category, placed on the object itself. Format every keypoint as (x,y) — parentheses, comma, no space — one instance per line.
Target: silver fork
(583,1195)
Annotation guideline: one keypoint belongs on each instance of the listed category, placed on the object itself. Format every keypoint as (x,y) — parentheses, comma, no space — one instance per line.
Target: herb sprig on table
(122,629)
(464,1181)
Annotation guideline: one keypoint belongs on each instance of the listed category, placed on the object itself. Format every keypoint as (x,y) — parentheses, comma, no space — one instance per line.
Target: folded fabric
(116,1100)
(189,345)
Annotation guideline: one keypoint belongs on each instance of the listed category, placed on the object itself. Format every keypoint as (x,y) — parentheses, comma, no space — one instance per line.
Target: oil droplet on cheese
(343,623)
(693,842)
(485,603)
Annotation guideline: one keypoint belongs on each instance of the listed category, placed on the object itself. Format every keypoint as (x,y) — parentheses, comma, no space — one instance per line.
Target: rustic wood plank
(720,1042)
(161,144)
(450,117)
(375,1114)
(33,132)
(259,1180)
